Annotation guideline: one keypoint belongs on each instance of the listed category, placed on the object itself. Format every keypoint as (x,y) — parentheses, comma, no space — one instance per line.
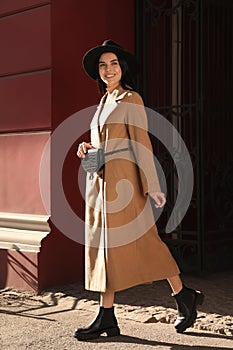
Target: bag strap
(116,151)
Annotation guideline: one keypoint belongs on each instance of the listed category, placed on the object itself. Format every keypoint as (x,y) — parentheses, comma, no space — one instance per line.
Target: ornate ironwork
(164,8)
(180,44)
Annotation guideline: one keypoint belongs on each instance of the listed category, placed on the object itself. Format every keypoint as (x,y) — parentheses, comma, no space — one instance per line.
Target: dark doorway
(184,48)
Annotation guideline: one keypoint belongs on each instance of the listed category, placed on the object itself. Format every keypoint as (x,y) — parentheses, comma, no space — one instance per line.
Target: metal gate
(184,48)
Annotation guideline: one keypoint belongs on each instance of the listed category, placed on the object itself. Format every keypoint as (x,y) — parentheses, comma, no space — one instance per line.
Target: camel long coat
(123,248)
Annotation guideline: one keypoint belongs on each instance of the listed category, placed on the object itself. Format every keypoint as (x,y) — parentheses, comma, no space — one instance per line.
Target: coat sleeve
(137,125)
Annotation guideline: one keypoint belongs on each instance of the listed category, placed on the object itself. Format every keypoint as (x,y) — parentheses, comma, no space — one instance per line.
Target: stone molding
(23,232)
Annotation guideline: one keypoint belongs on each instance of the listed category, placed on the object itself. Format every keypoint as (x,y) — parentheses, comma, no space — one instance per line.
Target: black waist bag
(94,160)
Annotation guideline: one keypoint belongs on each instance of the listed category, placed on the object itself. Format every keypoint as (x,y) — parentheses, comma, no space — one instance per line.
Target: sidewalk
(145,314)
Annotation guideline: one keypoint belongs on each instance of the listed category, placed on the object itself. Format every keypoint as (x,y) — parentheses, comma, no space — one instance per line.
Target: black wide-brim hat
(92,56)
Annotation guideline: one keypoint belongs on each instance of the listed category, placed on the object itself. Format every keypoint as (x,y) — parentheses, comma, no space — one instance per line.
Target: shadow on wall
(3,267)
(17,269)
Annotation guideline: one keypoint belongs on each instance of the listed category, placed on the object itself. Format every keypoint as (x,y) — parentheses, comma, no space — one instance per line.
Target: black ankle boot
(105,322)
(186,301)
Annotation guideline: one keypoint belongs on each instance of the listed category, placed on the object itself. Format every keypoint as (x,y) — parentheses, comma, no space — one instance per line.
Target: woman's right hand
(83,148)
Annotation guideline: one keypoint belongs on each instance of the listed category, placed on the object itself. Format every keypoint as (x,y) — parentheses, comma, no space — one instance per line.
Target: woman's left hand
(159,198)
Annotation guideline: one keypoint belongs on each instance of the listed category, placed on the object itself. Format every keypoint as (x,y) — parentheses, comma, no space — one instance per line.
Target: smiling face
(110,70)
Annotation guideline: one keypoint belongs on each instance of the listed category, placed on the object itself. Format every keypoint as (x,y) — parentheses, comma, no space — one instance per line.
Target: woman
(123,248)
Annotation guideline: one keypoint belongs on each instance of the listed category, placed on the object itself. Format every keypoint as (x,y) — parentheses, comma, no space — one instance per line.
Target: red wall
(13,6)
(42,83)
(19,269)
(25,69)
(20,156)
(25,108)
(25,102)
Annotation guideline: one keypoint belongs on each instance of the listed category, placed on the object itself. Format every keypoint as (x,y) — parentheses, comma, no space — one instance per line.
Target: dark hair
(127,80)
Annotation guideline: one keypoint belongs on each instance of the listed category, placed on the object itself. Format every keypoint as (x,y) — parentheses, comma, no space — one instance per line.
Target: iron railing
(182,45)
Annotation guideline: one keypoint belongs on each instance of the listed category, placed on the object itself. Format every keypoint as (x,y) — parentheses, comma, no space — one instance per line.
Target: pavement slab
(145,315)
